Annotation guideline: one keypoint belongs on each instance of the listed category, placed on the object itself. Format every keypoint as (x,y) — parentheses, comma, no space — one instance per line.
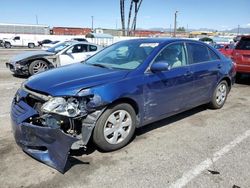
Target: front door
(75,54)
(166,92)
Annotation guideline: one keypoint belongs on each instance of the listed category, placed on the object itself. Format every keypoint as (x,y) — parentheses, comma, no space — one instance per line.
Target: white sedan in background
(61,54)
(50,45)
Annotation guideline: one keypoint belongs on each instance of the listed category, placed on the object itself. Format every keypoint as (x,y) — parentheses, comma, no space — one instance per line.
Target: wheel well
(128,101)
(228,82)
(49,63)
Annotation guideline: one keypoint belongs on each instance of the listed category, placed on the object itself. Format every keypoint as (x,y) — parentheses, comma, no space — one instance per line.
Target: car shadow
(167,121)
(20,76)
(91,147)
(244,79)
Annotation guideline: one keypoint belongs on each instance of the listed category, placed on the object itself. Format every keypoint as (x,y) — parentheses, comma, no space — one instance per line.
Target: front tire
(115,127)
(31,45)
(7,45)
(219,95)
(38,66)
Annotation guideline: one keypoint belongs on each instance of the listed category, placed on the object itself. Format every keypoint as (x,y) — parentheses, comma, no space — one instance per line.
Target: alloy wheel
(221,94)
(39,67)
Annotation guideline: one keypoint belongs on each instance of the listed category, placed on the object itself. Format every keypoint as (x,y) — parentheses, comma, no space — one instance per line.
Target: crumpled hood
(32,54)
(68,80)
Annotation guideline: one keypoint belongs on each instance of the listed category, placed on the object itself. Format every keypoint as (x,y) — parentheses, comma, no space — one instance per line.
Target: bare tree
(129,16)
(122,11)
(137,8)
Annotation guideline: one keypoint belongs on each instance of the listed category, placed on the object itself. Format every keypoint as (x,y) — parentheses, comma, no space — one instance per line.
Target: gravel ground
(197,148)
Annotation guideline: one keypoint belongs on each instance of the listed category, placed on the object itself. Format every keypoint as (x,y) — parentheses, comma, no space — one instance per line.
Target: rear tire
(38,66)
(219,95)
(115,127)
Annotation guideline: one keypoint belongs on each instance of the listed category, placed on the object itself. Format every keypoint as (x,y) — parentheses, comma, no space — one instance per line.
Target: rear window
(244,44)
(198,52)
(92,48)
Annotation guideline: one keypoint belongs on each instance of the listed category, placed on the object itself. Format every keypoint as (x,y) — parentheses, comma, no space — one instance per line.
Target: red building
(70,31)
(146,33)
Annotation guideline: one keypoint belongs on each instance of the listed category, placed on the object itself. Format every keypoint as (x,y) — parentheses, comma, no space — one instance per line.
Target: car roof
(245,36)
(73,42)
(166,40)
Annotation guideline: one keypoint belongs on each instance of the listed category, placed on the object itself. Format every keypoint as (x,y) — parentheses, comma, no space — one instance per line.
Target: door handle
(188,73)
(219,66)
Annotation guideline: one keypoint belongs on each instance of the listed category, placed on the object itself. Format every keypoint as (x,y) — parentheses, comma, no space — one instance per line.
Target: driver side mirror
(160,66)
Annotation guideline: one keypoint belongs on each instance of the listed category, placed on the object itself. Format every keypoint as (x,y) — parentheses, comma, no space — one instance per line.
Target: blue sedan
(125,86)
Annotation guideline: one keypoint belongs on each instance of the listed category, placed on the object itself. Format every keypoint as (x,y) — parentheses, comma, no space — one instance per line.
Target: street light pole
(175,23)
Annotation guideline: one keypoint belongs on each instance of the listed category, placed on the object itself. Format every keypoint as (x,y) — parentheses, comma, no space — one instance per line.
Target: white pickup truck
(18,41)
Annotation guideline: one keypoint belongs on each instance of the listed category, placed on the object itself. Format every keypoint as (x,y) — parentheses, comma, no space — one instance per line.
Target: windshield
(59,47)
(123,55)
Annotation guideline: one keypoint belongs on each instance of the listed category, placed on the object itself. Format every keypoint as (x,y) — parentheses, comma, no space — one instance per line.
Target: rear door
(205,65)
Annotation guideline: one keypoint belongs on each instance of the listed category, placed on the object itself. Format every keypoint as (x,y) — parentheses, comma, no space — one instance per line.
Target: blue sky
(214,14)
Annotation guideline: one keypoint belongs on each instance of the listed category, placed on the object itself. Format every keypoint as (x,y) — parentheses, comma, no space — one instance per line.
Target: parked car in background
(225,49)
(241,55)
(59,55)
(126,85)
(50,45)
(46,41)
(1,43)
(80,39)
(19,42)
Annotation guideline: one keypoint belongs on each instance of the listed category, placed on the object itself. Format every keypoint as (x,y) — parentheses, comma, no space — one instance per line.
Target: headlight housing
(70,107)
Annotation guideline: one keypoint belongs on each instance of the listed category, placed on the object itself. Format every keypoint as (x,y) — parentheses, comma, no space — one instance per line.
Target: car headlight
(18,65)
(70,107)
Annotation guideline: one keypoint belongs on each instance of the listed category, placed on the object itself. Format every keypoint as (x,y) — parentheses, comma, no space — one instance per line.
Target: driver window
(174,55)
(78,48)
(17,38)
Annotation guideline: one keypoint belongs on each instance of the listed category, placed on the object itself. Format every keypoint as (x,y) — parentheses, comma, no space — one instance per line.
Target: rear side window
(213,55)
(92,48)
(244,44)
(198,53)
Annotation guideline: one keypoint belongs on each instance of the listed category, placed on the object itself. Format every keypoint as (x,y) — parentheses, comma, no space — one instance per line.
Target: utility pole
(170,30)
(175,23)
(92,23)
(136,10)
(36,20)
(238,30)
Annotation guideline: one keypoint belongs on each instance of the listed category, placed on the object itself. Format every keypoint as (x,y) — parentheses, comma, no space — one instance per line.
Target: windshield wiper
(100,65)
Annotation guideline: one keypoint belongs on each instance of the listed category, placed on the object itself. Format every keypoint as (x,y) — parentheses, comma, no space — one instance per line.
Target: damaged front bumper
(19,70)
(46,144)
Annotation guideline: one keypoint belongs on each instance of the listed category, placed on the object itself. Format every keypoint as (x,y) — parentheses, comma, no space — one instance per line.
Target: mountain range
(234,30)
